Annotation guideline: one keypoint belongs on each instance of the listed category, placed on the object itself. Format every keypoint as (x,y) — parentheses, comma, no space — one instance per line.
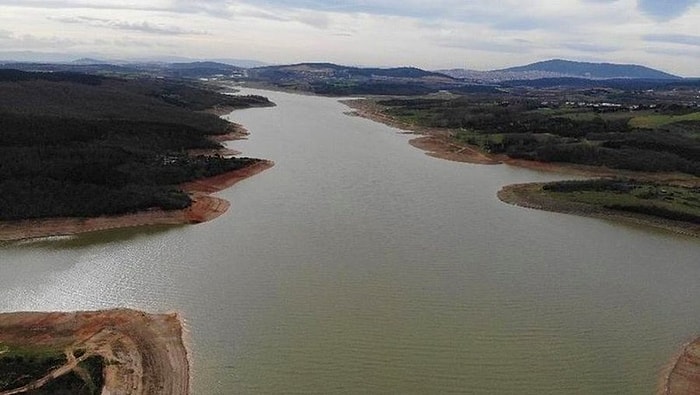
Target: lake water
(360,265)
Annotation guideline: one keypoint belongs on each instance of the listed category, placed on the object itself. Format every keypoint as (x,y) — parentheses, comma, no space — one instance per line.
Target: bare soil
(144,354)
(440,144)
(436,142)
(683,375)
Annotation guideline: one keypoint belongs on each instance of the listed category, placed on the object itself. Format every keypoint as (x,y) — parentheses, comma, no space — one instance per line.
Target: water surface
(359,264)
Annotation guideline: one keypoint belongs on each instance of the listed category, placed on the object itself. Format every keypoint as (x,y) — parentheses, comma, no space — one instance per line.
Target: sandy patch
(682,376)
(143,353)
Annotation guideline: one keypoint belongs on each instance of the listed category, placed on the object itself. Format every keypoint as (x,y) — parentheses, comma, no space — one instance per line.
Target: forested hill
(333,79)
(593,70)
(79,145)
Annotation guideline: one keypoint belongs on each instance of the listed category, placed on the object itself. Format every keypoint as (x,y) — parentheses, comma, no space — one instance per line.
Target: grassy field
(665,201)
(655,121)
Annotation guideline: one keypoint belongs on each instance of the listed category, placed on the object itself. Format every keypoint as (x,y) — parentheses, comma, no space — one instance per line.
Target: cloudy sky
(476,34)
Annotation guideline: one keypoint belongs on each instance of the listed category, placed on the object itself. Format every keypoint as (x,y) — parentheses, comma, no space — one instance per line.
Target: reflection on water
(358,264)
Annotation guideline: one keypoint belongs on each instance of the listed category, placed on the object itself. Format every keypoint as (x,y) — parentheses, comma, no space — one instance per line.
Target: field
(655,121)
(655,199)
(621,135)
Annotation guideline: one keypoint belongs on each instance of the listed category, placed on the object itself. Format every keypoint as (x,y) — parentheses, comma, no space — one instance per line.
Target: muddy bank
(682,376)
(533,196)
(203,208)
(142,353)
(437,143)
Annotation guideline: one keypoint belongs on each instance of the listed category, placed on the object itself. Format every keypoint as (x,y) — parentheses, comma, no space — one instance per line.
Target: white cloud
(478,34)
(142,26)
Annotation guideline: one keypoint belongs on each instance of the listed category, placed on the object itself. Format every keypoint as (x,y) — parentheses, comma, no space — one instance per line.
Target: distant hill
(330,70)
(627,84)
(189,70)
(333,79)
(593,70)
(200,69)
(558,68)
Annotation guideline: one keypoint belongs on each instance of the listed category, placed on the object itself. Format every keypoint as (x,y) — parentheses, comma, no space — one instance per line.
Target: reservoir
(358,264)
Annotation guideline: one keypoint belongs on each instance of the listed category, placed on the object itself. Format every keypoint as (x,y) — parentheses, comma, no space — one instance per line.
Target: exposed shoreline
(435,142)
(438,143)
(531,195)
(143,353)
(682,376)
(203,208)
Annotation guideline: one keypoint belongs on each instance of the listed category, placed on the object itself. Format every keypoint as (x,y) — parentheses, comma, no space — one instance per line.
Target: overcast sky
(478,34)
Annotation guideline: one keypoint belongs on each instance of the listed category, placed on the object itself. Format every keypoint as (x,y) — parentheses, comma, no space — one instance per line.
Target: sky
(435,34)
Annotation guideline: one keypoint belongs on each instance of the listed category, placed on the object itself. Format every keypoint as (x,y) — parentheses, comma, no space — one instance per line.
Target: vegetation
(80,146)
(658,200)
(337,80)
(654,121)
(19,369)
(622,136)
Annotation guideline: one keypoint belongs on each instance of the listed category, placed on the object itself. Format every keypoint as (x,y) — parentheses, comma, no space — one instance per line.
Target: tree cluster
(71,149)
(516,128)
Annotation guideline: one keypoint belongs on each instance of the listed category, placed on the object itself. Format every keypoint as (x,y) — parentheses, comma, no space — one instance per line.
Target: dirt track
(144,354)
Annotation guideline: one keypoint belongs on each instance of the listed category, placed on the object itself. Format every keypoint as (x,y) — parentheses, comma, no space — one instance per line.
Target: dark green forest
(19,370)
(74,145)
(522,128)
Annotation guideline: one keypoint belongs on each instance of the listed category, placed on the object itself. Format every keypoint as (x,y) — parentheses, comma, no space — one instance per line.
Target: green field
(659,200)
(655,121)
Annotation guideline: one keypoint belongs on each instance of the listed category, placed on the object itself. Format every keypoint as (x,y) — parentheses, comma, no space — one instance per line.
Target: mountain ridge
(560,68)
(601,70)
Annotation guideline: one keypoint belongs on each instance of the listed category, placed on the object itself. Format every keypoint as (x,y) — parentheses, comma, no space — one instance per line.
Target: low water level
(358,264)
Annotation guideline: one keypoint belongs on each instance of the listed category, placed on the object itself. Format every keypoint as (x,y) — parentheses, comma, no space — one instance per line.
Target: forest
(663,138)
(74,145)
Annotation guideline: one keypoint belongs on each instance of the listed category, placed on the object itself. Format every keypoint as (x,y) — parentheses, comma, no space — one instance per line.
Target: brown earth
(683,375)
(440,144)
(203,208)
(437,143)
(144,354)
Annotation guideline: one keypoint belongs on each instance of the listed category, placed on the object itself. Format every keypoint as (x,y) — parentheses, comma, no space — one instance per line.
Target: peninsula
(643,144)
(81,153)
(115,351)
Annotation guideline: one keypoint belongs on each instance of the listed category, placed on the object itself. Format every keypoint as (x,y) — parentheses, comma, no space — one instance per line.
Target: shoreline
(682,374)
(143,353)
(203,208)
(437,143)
(530,195)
